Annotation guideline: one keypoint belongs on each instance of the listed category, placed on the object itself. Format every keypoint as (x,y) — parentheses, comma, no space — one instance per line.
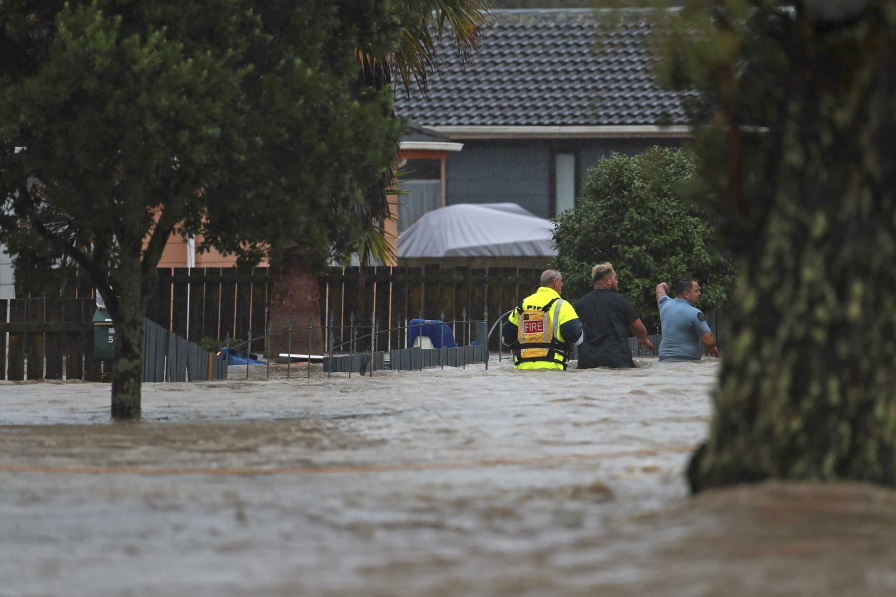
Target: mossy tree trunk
(808,380)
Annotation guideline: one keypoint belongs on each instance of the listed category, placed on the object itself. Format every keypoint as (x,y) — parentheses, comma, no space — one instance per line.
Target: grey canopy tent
(478,230)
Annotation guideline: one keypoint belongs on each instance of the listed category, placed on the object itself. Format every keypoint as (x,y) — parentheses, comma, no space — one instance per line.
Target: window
(421,187)
(564,182)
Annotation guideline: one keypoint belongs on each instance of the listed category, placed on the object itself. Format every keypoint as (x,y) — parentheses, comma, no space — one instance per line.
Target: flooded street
(440,482)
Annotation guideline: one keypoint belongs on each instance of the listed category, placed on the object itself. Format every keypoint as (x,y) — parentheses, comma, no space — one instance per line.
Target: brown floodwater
(442,482)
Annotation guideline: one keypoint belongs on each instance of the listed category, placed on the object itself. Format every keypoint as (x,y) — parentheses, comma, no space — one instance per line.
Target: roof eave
(563,132)
(430,146)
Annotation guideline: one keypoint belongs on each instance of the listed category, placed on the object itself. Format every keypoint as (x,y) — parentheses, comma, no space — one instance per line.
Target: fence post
(442,337)
(227,346)
(464,328)
(330,342)
(288,348)
(351,343)
(485,348)
(372,336)
(351,333)
(267,343)
(373,326)
(500,335)
(310,334)
(248,352)
(376,326)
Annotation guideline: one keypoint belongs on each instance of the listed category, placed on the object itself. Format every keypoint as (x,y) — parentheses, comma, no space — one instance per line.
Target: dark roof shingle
(545,68)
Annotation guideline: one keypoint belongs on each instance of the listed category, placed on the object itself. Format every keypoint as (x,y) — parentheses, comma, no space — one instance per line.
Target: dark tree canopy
(239,122)
(630,213)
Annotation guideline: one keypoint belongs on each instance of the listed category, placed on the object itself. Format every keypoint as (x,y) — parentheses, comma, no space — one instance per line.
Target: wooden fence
(216,302)
(47,339)
(201,302)
(210,302)
(53,339)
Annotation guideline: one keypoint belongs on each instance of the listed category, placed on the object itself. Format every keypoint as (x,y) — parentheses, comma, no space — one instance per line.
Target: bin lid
(102,316)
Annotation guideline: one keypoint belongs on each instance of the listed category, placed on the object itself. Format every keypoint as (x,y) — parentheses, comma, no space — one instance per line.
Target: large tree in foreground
(239,121)
(800,99)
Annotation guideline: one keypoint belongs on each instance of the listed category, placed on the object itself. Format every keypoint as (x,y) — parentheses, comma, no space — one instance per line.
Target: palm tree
(423,24)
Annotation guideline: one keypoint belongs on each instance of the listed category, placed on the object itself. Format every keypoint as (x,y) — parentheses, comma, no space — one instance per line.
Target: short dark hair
(682,284)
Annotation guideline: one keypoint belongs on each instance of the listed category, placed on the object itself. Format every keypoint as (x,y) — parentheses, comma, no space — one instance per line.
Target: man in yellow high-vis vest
(543,329)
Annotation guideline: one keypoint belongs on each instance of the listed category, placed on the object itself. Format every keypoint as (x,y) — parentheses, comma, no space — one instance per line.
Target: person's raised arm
(641,334)
(662,289)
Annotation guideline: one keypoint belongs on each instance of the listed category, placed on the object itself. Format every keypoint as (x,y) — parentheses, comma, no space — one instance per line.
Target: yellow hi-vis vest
(537,330)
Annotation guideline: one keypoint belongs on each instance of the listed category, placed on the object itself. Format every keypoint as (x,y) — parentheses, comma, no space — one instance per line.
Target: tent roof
(478,230)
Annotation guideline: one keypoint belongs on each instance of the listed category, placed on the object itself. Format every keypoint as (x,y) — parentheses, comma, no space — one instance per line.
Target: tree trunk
(295,296)
(128,312)
(808,380)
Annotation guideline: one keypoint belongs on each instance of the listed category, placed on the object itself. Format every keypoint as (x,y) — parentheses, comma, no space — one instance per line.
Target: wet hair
(548,276)
(682,284)
(601,271)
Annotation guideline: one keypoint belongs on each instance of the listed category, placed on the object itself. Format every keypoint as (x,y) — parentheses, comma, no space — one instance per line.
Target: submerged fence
(168,357)
(366,348)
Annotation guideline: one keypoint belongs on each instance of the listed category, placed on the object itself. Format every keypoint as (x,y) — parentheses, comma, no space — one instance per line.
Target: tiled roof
(544,68)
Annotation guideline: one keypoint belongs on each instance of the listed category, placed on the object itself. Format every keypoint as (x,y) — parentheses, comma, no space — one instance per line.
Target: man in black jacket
(607,317)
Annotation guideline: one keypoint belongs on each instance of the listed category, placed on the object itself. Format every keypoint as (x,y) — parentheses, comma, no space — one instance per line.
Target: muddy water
(441,482)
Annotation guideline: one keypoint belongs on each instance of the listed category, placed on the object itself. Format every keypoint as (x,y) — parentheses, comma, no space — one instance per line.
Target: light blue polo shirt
(682,325)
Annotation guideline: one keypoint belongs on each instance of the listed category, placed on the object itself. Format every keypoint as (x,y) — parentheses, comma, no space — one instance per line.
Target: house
(422,164)
(543,104)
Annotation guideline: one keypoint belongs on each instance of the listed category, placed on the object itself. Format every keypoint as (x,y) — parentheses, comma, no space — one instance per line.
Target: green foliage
(234,122)
(209,344)
(631,214)
(241,123)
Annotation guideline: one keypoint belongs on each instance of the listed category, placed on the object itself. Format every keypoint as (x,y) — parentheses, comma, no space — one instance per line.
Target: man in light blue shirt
(684,326)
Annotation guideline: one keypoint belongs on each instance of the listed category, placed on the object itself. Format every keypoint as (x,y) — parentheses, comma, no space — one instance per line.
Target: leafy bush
(631,213)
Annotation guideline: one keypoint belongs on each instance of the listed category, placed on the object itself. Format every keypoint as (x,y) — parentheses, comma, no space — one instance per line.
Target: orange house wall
(175,252)
(175,255)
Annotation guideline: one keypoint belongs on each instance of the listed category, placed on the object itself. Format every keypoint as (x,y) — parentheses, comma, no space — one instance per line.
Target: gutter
(430,146)
(564,132)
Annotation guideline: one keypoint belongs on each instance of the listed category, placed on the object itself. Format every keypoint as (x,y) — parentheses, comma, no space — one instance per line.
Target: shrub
(631,213)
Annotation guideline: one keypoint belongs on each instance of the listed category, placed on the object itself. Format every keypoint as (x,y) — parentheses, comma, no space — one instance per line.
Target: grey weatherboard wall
(518,170)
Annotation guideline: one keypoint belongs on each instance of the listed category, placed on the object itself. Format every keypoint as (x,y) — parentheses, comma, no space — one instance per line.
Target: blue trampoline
(437,331)
(239,357)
